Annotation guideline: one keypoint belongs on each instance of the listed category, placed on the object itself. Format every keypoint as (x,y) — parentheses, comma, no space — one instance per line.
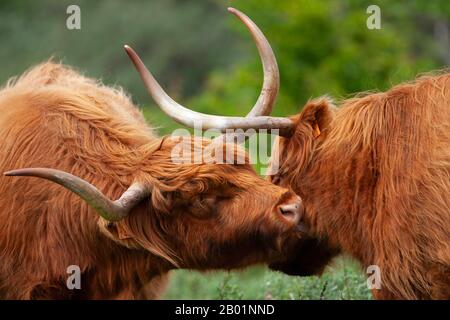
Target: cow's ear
(318,114)
(116,232)
(291,156)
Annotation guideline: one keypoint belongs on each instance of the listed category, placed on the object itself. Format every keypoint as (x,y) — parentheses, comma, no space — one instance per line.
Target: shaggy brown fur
(199,215)
(375,179)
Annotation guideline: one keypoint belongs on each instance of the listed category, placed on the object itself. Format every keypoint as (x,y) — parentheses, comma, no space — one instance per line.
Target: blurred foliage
(342,280)
(180,40)
(206,59)
(324,47)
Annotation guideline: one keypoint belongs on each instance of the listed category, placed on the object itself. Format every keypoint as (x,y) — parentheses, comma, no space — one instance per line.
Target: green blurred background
(205,59)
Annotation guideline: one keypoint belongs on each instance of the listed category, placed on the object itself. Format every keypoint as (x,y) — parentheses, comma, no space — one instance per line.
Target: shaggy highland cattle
(375,180)
(69,129)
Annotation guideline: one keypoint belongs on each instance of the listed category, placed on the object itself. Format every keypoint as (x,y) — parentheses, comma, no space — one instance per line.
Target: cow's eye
(203,206)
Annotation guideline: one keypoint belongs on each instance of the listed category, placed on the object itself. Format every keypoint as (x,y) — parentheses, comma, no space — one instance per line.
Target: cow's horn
(108,209)
(256,118)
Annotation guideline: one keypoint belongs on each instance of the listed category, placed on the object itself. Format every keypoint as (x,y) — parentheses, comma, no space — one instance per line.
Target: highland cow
(375,179)
(88,143)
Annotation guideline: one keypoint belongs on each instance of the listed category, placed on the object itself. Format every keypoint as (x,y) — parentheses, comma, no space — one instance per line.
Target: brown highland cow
(375,180)
(69,129)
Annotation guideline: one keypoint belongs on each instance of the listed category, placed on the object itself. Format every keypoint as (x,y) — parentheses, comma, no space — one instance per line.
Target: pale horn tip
(130,51)
(127,48)
(132,55)
(10,173)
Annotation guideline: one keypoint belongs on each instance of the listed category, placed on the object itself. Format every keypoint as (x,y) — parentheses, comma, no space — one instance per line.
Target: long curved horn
(108,209)
(271,84)
(256,119)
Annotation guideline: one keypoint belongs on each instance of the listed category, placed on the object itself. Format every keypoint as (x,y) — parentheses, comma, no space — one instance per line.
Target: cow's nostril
(287,211)
(291,210)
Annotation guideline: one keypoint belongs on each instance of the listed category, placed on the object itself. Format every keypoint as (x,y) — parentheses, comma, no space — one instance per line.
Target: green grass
(343,280)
